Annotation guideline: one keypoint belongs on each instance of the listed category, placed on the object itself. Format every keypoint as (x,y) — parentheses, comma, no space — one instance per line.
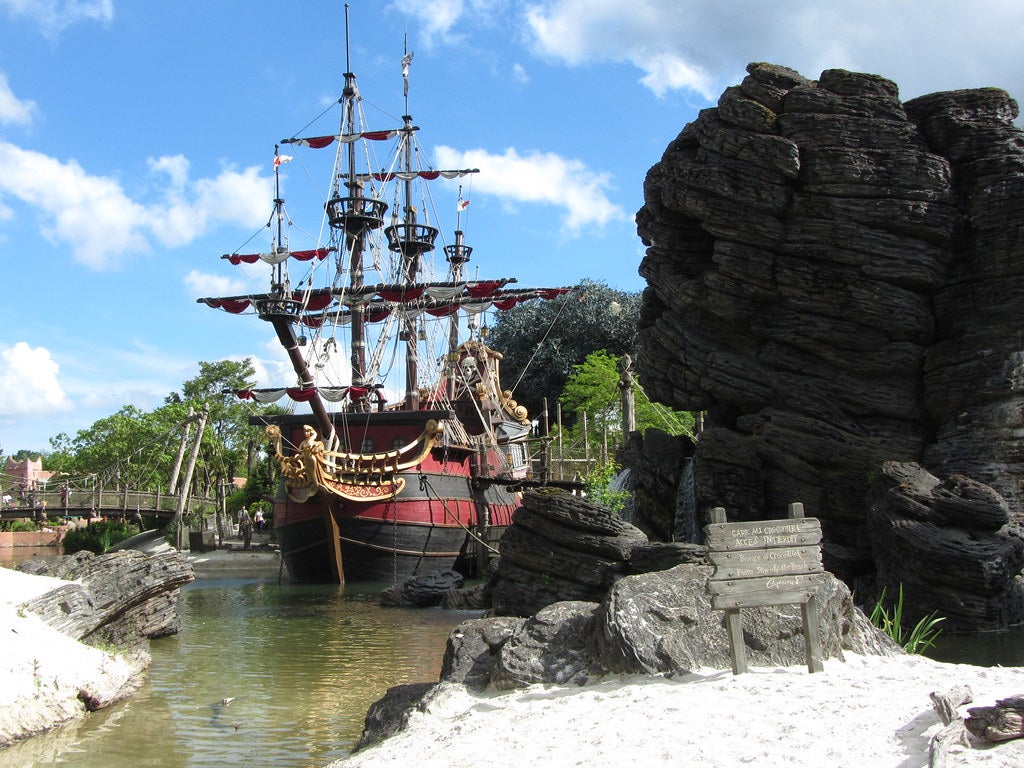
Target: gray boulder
(657,623)
(949,546)
(560,547)
(556,645)
(473,649)
(663,623)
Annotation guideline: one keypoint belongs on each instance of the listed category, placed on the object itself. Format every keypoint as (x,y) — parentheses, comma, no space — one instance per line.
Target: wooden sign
(761,563)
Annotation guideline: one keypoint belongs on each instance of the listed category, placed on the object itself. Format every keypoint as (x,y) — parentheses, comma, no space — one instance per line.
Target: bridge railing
(125,500)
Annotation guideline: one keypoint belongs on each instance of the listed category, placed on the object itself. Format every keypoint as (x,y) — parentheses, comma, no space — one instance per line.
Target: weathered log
(954,733)
(1002,722)
(112,598)
(614,547)
(573,511)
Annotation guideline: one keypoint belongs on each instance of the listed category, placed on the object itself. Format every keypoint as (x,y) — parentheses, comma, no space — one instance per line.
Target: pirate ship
(381,481)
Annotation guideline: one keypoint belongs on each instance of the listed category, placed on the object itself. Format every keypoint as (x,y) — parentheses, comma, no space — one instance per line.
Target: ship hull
(442,519)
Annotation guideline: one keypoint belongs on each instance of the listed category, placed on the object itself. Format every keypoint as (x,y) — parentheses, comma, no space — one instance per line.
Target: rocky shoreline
(77,628)
(77,632)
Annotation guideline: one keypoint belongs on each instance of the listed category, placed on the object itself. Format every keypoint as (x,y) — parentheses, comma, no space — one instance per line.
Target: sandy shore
(43,672)
(867,712)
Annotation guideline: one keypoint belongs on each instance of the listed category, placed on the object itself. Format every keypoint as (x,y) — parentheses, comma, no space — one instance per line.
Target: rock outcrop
(118,599)
(653,615)
(78,641)
(948,546)
(834,278)
(649,624)
(560,547)
(645,620)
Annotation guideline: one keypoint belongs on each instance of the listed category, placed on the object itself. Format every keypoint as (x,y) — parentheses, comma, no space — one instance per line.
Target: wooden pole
(179,514)
(561,457)
(181,451)
(546,442)
(586,445)
(627,397)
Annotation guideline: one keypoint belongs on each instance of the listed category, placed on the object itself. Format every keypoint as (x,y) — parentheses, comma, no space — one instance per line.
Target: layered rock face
(834,278)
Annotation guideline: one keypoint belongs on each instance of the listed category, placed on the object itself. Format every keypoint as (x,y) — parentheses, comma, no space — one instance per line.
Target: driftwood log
(954,733)
(1002,722)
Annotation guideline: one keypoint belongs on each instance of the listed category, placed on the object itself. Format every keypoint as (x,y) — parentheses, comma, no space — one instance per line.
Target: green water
(302,664)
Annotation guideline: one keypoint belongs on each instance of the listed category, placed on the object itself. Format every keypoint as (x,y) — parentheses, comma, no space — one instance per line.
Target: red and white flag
(281,160)
(463,204)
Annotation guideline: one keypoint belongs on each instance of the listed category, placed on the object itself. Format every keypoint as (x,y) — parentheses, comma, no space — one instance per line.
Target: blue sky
(136,146)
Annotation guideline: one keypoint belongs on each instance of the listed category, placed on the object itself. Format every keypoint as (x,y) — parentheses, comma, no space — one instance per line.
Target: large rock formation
(948,547)
(834,278)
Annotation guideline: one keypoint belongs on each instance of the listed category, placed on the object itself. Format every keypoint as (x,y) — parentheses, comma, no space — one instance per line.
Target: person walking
(245,527)
(257,518)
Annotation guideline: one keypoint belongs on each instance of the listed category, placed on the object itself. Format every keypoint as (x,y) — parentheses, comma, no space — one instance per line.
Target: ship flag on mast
(406,61)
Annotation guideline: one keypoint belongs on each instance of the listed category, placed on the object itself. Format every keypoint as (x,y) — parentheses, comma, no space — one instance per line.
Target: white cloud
(435,22)
(28,382)
(702,47)
(538,177)
(519,74)
(233,196)
(436,18)
(203,284)
(14,111)
(54,16)
(103,226)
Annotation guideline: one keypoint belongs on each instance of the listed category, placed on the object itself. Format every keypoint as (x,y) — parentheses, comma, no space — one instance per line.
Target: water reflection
(299,664)
(985,649)
(13,556)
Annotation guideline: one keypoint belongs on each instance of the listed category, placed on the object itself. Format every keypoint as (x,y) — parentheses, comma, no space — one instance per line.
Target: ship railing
(271,308)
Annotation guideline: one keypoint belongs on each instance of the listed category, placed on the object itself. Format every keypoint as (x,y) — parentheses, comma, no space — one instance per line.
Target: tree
(593,389)
(541,341)
(131,447)
(228,445)
(138,448)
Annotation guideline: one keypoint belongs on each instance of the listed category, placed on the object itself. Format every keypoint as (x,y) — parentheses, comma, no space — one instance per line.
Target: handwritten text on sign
(769,562)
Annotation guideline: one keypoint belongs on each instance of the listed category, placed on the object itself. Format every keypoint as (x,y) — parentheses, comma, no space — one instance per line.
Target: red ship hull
(442,518)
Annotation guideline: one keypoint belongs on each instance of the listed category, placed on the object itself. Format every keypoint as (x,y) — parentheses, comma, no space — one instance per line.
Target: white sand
(43,670)
(867,712)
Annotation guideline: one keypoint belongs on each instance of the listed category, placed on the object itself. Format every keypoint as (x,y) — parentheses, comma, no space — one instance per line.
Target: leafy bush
(890,620)
(599,487)
(18,525)
(98,537)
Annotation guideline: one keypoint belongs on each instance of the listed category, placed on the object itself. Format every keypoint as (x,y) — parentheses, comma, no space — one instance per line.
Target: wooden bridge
(111,504)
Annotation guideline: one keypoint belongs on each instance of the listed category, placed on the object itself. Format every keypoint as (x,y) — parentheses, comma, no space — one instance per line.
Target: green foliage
(138,449)
(598,486)
(15,526)
(130,447)
(889,619)
(23,454)
(541,341)
(593,389)
(97,537)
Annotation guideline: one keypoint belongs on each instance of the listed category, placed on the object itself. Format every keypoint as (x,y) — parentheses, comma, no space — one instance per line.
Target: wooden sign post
(761,563)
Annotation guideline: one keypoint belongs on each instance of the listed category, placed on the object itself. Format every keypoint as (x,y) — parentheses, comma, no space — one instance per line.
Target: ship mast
(281,310)
(355,215)
(410,239)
